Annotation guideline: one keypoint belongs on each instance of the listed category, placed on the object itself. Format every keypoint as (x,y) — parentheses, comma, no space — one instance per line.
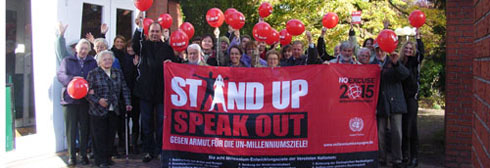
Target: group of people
(128,79)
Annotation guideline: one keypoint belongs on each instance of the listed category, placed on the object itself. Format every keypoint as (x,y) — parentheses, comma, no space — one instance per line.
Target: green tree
(311,12)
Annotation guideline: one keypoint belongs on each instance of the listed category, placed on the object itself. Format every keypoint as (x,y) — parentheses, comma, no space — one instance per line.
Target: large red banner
(315,115)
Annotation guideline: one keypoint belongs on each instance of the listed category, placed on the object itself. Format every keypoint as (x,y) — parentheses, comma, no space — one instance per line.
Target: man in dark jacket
(299,58)
(149,83)
(391,104)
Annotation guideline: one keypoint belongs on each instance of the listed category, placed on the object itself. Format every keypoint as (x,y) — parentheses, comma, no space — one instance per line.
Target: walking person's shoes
(85,160)
(147,158)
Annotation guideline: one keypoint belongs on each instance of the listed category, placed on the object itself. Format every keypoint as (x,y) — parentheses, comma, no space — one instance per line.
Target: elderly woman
(235,56)
(100,44)
(364,55)
(76,111)
(412,55)
(106,85)
(194,55)
(272,58)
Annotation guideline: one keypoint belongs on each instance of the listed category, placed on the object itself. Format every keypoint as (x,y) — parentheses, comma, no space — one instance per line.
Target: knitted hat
(225,39)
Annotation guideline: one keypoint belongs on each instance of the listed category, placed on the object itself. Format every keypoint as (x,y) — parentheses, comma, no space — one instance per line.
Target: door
(88,15)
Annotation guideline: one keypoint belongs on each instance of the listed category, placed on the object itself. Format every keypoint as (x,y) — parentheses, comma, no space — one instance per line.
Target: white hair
(97,40)
(363,49)
(345,45)
(195,47)
(199,51)
(81,42)
(101,54)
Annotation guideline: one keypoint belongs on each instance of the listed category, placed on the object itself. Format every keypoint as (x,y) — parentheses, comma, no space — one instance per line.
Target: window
(124,23)
(91,20)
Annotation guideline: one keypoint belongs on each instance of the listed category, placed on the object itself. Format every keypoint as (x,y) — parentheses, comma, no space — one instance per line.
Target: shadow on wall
(57,116)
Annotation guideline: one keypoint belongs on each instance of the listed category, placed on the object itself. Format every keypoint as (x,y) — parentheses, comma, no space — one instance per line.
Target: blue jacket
(70,68)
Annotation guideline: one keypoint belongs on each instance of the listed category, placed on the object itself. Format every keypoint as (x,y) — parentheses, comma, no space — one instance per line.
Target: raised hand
(308,36)
(386,24)
(139,20)
(104,28)
(90,37)
(62,28)
(216,32)
(237,33)
(394,57)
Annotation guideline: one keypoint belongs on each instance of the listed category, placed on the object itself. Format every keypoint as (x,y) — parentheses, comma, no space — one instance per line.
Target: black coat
(311,57)
(149,80)
(411,84)
(391,99)
(127,66)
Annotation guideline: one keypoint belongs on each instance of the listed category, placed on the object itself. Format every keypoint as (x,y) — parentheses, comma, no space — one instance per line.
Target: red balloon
(143,5)
(265,9)
(228,12)
(261,31)
(387,40)
(188,29)
(273,37)
(77,88)
(284,37)
(330,20)
(179,40)
(146,25)
(417,18)
(165,20)
(295,27)
(215,17)
(236,20)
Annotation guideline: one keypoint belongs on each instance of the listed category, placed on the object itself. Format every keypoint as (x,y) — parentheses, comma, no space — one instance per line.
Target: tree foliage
(310,12)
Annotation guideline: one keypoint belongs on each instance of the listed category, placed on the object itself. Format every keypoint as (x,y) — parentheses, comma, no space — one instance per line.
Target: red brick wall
(460,53)
(171,7)
(468,84)
(480,155)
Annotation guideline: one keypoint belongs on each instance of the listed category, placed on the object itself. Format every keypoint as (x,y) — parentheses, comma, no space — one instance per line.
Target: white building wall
(50,135)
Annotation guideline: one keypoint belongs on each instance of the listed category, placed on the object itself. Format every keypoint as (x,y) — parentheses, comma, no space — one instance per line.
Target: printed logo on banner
(356,89)
(356,124)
